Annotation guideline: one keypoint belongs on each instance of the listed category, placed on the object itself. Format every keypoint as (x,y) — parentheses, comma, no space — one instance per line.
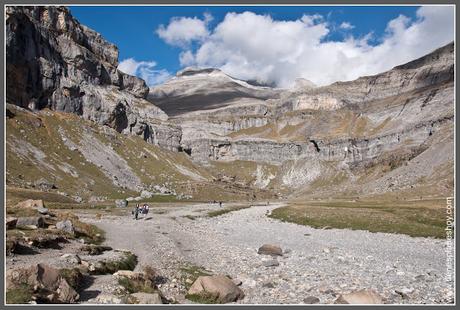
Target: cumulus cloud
(346,26)
(181,31)
(145,70)
(257,47)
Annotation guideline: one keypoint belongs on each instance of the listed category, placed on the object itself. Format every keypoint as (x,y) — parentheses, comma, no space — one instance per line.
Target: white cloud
(257,47)
(145,70)
(181,31)
(186,58)
(346,26)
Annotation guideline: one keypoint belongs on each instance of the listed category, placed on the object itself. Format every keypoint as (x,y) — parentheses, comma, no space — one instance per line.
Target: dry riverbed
(316,262)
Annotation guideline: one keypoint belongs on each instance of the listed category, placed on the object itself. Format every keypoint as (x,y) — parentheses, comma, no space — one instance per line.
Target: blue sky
(135,31)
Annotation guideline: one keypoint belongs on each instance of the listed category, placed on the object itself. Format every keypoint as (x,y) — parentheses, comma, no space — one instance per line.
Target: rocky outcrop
(53,61)
(349,150)
(433,69)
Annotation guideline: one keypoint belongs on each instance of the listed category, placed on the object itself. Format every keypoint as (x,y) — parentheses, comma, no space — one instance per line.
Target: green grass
(204,298)
(128,262)
(191,273)
(134,286)
(20,295)
(226,210)
(73,276)
(416,219)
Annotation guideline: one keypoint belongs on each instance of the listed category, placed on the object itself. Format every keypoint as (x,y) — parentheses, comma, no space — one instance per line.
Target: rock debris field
(317,265)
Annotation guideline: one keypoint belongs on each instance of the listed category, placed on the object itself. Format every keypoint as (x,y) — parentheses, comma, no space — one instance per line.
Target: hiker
(136,212)
(220,204)
(146,209)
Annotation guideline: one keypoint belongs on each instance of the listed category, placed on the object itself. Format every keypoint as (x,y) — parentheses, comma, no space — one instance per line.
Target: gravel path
(320,263)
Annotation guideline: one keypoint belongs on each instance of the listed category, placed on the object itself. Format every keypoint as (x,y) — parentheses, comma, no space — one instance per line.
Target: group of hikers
(144,209)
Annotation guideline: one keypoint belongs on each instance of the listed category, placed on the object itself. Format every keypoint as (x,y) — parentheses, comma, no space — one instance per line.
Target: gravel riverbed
(316,262)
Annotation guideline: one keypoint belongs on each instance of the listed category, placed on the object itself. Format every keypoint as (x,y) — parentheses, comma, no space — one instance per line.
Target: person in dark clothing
(136,212)
(220,204)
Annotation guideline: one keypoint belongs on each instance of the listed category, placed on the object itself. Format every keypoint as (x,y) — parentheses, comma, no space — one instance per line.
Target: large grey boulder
(31,221)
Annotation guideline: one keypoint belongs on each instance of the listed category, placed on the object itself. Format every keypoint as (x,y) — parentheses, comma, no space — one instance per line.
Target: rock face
(219,286)
(53,61)
(293,139)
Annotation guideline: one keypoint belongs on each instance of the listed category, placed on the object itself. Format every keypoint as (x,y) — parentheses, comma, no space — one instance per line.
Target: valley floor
(317,262)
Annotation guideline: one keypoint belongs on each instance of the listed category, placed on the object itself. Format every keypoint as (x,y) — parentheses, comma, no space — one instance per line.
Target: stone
(30,204)
(146,194)
(365,296)
(121,203)
(71,258)
(311,300)
(222,287)
(237,282)
(42,210)
(31,220)
(108,299)
(66,293)
(46,280)
(146,298)
(129,274)
(44,184)
(66,226)
(271,263)
(29,227)
(10,222)
(270,249)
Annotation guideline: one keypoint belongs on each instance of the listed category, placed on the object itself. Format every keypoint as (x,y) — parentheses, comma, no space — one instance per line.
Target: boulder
(66,293)
(218,285)
(360,297)
(311,300)
(108,299)
(270,249)
(30,203)
(146,194)
(42,210)
(31,220)
(10,222)
(44,184)
(66,226)
(121,203)
(39,276)
(145,298)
